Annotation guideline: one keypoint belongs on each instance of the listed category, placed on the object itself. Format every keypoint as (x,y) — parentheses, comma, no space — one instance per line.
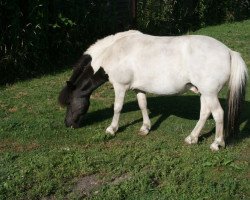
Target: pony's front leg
(119,99)
(142,101)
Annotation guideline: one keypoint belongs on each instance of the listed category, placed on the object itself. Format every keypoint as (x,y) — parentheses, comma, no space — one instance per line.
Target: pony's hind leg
(118,104)
(204,114)
(218,114)
(142,101)
(209,103)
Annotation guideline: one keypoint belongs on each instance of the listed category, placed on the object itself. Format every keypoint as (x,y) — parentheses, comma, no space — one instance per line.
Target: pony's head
(76,94)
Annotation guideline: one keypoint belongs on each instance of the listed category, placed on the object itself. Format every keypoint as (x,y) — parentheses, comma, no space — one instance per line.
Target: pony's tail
(236,94)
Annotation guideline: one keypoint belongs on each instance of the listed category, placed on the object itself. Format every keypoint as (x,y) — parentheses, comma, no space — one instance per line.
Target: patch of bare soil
(17,147)
(88,185)
(85,185)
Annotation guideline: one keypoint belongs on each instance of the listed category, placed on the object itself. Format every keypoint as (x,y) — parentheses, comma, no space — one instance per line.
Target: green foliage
(42,159)
(22,39)
(42,36)
(170,17)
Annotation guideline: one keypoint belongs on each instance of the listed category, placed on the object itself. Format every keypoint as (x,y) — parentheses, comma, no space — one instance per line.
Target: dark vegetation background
(45,36)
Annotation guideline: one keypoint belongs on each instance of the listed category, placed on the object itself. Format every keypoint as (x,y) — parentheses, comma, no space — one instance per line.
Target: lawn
(42,159)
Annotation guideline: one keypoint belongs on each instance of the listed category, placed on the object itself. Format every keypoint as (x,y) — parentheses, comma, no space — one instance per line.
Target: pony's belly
(161,88)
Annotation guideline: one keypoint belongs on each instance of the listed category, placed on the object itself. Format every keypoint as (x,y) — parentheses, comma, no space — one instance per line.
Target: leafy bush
(40,36)
(171,17)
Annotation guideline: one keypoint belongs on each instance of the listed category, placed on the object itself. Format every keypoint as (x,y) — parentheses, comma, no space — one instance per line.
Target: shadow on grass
(187,107)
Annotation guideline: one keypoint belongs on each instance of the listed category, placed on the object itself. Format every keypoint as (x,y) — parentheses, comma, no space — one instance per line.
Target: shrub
(171,17)
(40,36)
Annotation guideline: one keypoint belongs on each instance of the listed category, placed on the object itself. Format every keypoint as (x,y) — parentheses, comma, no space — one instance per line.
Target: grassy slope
(39,157)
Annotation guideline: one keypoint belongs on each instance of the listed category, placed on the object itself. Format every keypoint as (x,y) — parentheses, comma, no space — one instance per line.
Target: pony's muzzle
(72,124)
(68,123)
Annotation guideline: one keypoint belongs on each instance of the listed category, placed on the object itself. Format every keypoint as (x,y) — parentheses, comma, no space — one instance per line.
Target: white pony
(163,66)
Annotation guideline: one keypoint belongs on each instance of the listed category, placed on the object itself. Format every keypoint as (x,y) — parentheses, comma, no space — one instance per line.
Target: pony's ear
(70,85)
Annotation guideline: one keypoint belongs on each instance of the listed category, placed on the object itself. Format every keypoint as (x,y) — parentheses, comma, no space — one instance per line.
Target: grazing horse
(163,66)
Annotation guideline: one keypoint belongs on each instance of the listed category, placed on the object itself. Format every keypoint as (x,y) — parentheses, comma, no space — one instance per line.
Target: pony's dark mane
(83,78)
(92,81)
(64,96)
(80,65)
(78,68)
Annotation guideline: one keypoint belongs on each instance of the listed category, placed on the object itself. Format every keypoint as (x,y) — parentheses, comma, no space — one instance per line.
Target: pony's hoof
(111,130)
(191,140)
(214,146)
(144,131)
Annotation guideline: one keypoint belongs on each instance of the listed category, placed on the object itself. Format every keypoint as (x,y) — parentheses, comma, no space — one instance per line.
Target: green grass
(40,158)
